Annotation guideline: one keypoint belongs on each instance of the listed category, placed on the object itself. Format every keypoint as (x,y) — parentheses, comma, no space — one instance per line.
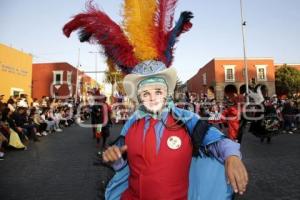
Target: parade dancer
(100,118)
(159,139)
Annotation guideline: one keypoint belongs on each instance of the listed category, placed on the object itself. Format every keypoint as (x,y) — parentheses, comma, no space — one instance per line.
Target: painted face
(153,97)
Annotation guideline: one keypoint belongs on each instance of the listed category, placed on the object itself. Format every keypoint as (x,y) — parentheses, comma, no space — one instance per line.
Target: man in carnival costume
(164,152)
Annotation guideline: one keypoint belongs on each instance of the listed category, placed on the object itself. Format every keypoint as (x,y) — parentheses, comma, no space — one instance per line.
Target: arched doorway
(230,89)
(243,88)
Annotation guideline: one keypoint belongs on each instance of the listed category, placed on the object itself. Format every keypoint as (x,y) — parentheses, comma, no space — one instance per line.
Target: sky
(272,30)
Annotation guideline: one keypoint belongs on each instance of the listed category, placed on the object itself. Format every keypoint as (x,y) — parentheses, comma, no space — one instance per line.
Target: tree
(287,80)
(114,77)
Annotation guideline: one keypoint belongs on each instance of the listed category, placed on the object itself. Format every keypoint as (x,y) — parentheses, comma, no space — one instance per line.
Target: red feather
(95,24)
(164,21)
(166,14)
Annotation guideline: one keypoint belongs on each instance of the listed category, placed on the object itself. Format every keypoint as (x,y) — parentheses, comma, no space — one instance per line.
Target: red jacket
(231,117)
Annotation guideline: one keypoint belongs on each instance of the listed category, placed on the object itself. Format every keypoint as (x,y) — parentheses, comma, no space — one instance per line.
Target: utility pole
(243,24)
(77,70)
(96,53)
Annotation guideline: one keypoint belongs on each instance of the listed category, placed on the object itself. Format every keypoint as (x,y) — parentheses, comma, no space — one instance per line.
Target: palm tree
(114,77)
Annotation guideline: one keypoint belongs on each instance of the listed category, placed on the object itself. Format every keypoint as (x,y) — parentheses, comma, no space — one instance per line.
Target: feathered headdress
(147,33)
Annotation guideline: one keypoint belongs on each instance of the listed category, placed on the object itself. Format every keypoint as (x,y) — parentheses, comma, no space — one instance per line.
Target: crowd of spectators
(21,122)
(286,111)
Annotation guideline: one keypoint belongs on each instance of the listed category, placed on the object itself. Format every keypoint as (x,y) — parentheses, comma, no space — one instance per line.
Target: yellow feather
(139,26)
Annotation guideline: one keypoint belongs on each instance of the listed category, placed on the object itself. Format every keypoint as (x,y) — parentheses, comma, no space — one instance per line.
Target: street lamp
(243,24)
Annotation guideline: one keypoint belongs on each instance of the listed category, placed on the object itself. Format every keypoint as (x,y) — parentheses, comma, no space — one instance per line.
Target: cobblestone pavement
(61,167)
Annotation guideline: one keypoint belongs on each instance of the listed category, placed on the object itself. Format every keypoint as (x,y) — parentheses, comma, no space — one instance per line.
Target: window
(204,79)
(57,77)
(229,73)
(16,91)
(261,72)
(69,78)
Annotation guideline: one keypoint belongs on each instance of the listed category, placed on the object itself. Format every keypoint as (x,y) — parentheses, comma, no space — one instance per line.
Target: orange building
(15,72)
(58,80)
(220,73)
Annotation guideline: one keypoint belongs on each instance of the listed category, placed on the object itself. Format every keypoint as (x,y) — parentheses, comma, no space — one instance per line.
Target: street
(61,166)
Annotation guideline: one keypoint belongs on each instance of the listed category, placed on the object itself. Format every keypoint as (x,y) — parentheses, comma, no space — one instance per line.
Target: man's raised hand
(113,153)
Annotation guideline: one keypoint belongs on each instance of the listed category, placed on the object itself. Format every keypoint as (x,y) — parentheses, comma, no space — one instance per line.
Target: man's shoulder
(186,115)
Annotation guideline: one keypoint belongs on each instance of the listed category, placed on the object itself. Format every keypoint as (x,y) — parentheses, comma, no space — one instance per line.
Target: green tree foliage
(287,80)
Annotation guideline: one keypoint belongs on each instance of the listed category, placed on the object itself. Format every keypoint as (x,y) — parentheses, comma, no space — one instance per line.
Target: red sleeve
(224,115)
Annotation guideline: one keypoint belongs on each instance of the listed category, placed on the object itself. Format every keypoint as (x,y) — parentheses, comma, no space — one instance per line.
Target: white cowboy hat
(145,70)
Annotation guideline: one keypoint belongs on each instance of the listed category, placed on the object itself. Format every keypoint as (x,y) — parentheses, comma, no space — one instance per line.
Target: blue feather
(179,28)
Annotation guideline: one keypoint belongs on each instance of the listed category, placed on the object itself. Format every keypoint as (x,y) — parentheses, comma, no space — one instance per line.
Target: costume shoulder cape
(207,179)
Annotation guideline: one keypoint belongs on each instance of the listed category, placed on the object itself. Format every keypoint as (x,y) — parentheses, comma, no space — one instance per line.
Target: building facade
(55,80)
(15,72)
(219,73)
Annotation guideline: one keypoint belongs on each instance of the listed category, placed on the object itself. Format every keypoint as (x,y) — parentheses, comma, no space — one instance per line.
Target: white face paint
(153,97)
